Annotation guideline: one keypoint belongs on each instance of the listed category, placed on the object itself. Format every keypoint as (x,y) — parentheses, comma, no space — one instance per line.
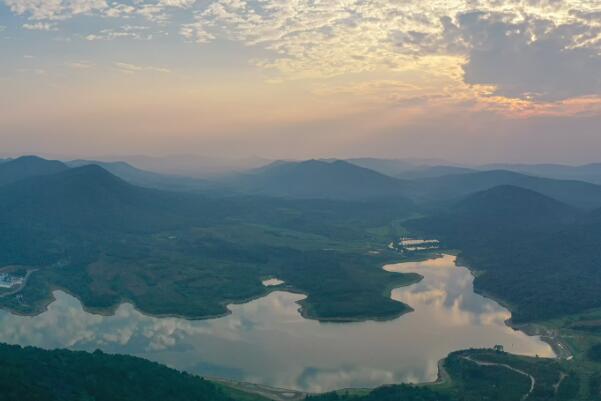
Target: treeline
(402,392)
(33,374)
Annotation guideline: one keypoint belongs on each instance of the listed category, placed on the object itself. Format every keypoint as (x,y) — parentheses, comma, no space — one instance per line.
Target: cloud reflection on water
(267,341)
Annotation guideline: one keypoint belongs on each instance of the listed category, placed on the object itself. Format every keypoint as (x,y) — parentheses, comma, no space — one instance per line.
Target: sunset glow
(302,78)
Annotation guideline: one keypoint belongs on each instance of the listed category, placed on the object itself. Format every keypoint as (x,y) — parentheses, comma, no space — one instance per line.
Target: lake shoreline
(559,347)
(440,378)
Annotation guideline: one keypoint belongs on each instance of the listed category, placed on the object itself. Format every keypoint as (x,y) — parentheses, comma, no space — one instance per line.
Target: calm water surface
(268,342)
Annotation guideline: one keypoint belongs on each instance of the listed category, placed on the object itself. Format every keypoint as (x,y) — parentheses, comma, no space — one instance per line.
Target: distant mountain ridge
(454,187)
(534,252)
(497,210)
(91,198)
(23,167)
(145,178)
(394,167)
(587,172)
(509,205)
(320,180)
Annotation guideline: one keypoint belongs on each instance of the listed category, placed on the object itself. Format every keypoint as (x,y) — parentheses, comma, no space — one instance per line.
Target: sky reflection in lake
(267,341)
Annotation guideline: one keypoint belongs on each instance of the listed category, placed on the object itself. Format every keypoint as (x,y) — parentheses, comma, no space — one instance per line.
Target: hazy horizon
(465,81)
(258,160)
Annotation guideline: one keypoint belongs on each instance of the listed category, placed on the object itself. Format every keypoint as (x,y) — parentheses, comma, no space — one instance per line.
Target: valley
(161,274)
(300,200)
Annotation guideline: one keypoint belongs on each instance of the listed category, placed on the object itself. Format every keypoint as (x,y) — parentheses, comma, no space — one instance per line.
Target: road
(532,379)
(272,393)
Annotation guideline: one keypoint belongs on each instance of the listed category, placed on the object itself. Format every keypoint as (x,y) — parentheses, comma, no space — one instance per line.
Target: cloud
(120,11)
(530,58)
(325,39)
(80,65)
(178,3)
(59,10)
(136,32)
(195,32)
(535,50)
(40,26)
(34,71)
(153,12)
(54,9)
(133,68)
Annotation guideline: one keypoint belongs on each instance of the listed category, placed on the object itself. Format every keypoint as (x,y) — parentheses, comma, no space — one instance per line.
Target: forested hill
(538,255)
(457,186)
(33,374)
(28,166)
(104,240)
(319,180)
(509,206)
(91,198)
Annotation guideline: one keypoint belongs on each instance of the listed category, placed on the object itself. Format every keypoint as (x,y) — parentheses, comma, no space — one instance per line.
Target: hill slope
(537,254)
(432,172)
(33,374)
(28,166)
(394,167)
(508,205)
(89,198)
(104,240)
(148,179)
(320,180)
(587,172)
(577,193)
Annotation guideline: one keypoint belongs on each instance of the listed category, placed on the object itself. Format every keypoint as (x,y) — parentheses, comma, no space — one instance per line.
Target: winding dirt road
(532,379)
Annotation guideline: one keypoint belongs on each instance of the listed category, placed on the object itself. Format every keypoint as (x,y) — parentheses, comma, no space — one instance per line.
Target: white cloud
(177,3)
(120,11)
(40,26)
(133,68)
(136,32)
(195,32)
(153,12)
(328,38)
(54,9)
(80,65)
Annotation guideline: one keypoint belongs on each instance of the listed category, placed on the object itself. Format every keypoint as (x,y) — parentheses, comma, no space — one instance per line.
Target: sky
(473,81)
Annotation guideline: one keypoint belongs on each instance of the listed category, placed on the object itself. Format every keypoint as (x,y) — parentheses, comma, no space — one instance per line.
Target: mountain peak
(321,179)
(514,205)
(28,166)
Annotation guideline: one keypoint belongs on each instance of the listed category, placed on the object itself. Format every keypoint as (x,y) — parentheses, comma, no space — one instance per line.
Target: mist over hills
(190,165)
(506,223)
(498,212)
(91,198)
(430,184)
(335,179)
(508,205)
(587,172)
(319,179)
(13,170)
(453,187)
(149,179)
(411,169)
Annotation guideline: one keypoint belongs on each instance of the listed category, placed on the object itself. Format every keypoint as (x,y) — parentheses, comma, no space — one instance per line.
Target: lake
(267,341)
